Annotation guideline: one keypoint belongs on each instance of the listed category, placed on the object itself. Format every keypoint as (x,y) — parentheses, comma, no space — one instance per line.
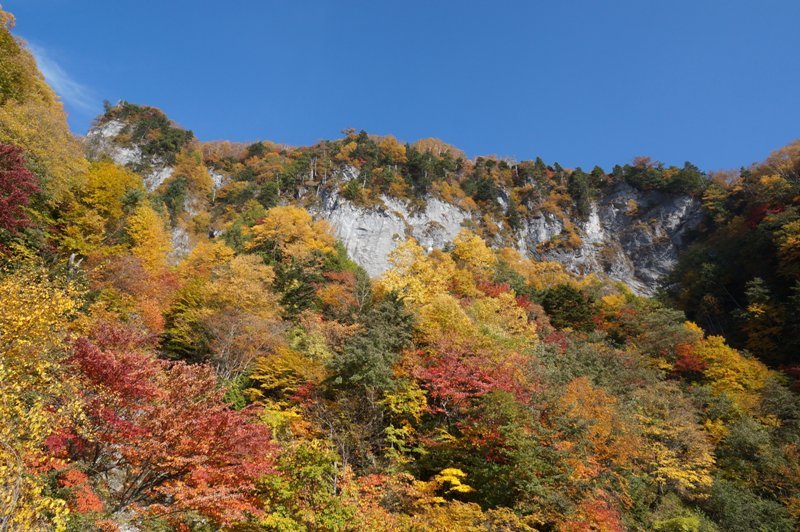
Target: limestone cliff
(628,234)
(103,140)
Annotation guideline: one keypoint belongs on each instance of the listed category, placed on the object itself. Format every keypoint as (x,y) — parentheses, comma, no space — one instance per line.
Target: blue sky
(580,82)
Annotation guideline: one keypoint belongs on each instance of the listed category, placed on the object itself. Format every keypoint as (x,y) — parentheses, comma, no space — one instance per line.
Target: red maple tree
(161,436)
(17,185)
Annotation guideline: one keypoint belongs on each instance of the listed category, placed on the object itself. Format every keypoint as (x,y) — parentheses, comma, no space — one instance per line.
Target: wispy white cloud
(71,91)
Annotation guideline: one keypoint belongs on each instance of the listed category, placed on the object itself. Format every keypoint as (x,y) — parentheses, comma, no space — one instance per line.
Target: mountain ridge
(629,234)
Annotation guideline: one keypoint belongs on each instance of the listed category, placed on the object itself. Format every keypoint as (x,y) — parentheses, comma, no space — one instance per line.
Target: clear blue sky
(582,82)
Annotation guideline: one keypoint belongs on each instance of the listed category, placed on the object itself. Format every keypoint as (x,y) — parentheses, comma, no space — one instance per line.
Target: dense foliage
(260,380)
(150,129)
(742,276)
(364,169)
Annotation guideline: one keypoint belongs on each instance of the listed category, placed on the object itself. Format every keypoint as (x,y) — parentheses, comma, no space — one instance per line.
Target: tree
(190,170)
(32,118)
(473,253)
(614,445)
(738,509)
(786,162)
(678,451)
(732,373)
(244,322)
(289,234)
(227,313)
(368,358)
(762,320)
(578,188)
(513,215)
(163,438)
(37,396)
(789,248)
(311,491)
(414,276)
(394,152)
(420,170)
(149,237)
(455,378)
(107,187)
(714,202)
(595,512)
(109,193)
(687,180)
(277,376)
(502,316)
(17,185)
(13,82)
(568,307)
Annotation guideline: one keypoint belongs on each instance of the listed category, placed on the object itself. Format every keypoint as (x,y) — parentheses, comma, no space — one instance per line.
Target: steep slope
(626,232)
(741,276)
(262,380)
(638,248)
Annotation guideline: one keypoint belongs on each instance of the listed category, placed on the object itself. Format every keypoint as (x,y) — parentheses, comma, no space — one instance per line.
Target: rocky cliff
(104,139)
(628,234)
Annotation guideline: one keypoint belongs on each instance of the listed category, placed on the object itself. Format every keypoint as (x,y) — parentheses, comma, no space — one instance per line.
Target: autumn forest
(250,375)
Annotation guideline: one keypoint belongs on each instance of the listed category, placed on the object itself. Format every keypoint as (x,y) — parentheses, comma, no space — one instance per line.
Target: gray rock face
(370,234)
(630,235)
(217,179)
(101,140)
(650,228)
(181,244)
(434,227)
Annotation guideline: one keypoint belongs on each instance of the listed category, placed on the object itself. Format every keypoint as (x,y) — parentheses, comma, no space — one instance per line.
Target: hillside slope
(183,346)
(627,232)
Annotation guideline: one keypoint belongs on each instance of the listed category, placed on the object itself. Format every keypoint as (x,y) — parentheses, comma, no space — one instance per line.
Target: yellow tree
(540,275)
(714,199)
(189,165)
(151,241)
(106,187)
(678,450)
(392,149)
(100,209)
(442,318)
(614,444)
(789,248)
(84,231)
(226,311)
(739,377)
(289,233)
(346,151)
(439,147)
(786,161)
(36,395)
(414,276)
(471,251)
(243,322)
(204,258)
(502,317)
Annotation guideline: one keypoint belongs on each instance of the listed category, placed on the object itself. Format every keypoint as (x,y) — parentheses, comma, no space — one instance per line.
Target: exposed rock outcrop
(103,140)
(370,234)
(629,235)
